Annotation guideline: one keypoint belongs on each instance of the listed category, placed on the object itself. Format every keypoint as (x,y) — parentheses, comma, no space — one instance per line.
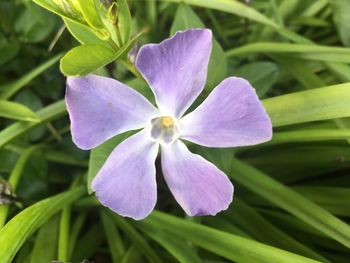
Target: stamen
(167,122)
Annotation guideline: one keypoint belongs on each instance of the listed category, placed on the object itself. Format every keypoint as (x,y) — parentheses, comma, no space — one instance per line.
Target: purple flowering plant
(176,70)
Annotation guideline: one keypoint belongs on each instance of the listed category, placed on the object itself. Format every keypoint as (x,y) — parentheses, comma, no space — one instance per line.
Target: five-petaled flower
(175,69)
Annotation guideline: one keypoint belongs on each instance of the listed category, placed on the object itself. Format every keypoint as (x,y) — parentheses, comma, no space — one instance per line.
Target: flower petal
(197,185)
(100,108)
(126,182)
(232,115)
(176,69)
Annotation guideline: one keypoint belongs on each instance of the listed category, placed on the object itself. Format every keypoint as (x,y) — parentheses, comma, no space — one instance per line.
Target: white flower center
(164,130)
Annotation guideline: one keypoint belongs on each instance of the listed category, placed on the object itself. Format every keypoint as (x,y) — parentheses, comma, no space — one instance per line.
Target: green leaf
(310,135)
(84,34)
(229,246)
(341,11)
(99,155)
(15,176)
(262,75)
(124,20)
(17,111)
(256,225)
(175,246)
(115,243)
(47,114)
(311,105)
(233,7)
(8,90)
(184,19)
(132,234)
(291,201)
(8,51)
(302,51)
(84,59)
(45,246)
(24,224)
(87,7)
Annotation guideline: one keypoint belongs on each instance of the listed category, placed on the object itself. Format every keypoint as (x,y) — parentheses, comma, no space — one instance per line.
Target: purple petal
(176,69)
(126,182)
(232,115)
(100,108)
(197,185)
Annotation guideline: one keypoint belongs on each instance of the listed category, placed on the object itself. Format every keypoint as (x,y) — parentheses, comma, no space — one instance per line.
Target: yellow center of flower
(167,122)
(164,129)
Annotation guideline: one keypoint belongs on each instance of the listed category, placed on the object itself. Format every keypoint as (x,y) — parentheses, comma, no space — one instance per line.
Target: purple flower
(176,71)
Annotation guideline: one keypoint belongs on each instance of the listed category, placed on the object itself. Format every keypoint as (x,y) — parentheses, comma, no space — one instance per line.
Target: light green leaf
(24,224)
(311,105)
(227,245)
(302,51)
(341,11)
(84,34)
(84,59)
(124,20)
(17,111)
(233,7)
(47,114)
(291,201)
(185,18)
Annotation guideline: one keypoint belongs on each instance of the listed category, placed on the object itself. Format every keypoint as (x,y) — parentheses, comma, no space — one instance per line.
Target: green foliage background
(292,194)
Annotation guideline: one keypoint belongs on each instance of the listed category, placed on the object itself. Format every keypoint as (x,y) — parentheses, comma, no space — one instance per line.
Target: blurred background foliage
(291,194)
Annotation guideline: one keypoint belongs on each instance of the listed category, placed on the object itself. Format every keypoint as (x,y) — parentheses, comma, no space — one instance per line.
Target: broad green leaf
(291,201)
(302,51)
(311,105)
(341,11)
(8,90)
(185,18)
(17,111)
(132,234)
(45,246)
(175,246)
(84,59)
(262,75)
(227,245)
(84,34)
(47,114)
(233,7)
(99,155)
(24,224)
